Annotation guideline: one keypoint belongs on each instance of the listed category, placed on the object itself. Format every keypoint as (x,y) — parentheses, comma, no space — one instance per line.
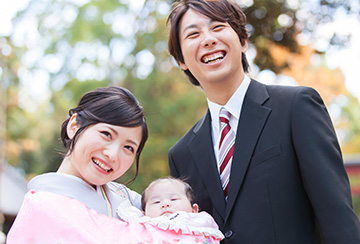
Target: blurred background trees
(59,49)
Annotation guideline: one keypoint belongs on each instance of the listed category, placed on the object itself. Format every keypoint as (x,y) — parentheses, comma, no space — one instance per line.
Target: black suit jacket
(288,183)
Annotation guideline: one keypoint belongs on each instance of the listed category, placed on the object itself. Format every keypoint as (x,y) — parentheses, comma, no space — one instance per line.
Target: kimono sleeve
(49,218)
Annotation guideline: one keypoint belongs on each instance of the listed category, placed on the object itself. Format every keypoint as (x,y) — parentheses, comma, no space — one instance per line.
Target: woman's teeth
(101,165)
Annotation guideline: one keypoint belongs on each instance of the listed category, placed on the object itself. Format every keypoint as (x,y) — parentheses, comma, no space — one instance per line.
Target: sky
(8,10)
(347,59)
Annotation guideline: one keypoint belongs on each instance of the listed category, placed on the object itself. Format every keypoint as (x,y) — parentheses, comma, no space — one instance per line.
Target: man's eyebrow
(195,25)
(189,27)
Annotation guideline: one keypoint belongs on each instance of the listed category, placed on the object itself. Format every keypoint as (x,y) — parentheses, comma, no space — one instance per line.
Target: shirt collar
(233,105)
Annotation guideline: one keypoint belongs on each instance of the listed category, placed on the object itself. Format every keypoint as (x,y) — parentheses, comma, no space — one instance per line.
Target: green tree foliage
(347,129)
(280,22)
(80,45)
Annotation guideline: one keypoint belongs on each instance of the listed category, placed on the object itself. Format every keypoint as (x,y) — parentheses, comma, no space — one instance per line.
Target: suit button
(228,234)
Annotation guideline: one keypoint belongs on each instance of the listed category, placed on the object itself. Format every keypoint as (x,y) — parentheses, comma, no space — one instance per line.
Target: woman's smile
(103,166)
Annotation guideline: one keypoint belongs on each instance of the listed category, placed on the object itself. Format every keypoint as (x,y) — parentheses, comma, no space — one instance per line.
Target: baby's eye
(156,202)
(174,199)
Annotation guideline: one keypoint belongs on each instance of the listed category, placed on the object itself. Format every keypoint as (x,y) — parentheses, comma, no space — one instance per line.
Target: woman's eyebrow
(132,142)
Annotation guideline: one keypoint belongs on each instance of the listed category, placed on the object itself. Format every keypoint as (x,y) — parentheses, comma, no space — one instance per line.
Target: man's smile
(213,57)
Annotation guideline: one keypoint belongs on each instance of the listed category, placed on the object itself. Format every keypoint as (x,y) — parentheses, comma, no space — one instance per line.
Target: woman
(103,135)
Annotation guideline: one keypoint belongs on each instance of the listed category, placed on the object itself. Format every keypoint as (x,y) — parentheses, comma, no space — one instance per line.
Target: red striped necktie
(226,149)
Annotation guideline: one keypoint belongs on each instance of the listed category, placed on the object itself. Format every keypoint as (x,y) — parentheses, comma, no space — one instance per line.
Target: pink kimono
(50,218)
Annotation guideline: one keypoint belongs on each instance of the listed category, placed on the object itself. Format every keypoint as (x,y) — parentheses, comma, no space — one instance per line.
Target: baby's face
(166,197)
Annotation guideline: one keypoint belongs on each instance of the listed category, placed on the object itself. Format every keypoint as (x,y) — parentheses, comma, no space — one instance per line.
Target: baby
(169,204)
(166,196)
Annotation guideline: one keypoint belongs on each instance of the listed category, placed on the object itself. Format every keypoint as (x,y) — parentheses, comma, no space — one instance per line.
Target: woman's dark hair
(111,105)
(188,189)
(218,10)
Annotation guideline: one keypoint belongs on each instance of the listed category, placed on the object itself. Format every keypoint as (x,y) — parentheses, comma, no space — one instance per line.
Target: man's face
(211,49)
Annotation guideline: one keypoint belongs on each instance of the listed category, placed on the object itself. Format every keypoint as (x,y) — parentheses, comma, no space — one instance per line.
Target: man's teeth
(213,58)
(101,165)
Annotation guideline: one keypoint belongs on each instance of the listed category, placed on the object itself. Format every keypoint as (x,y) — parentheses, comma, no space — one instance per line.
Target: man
(282,180)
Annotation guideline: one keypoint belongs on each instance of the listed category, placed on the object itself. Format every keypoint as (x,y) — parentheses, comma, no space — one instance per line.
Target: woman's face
(102,153)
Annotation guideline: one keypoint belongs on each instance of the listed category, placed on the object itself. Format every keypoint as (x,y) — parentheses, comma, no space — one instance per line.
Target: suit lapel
(252,120)
(201,148)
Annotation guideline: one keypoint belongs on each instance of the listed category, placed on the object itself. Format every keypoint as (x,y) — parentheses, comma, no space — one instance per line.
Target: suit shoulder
(260,93)
(291,92)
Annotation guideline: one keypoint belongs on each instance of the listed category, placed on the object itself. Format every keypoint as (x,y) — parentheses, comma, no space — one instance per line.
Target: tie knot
(224,116)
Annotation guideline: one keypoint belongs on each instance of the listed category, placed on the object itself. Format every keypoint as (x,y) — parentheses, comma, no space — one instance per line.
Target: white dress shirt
(234,106)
